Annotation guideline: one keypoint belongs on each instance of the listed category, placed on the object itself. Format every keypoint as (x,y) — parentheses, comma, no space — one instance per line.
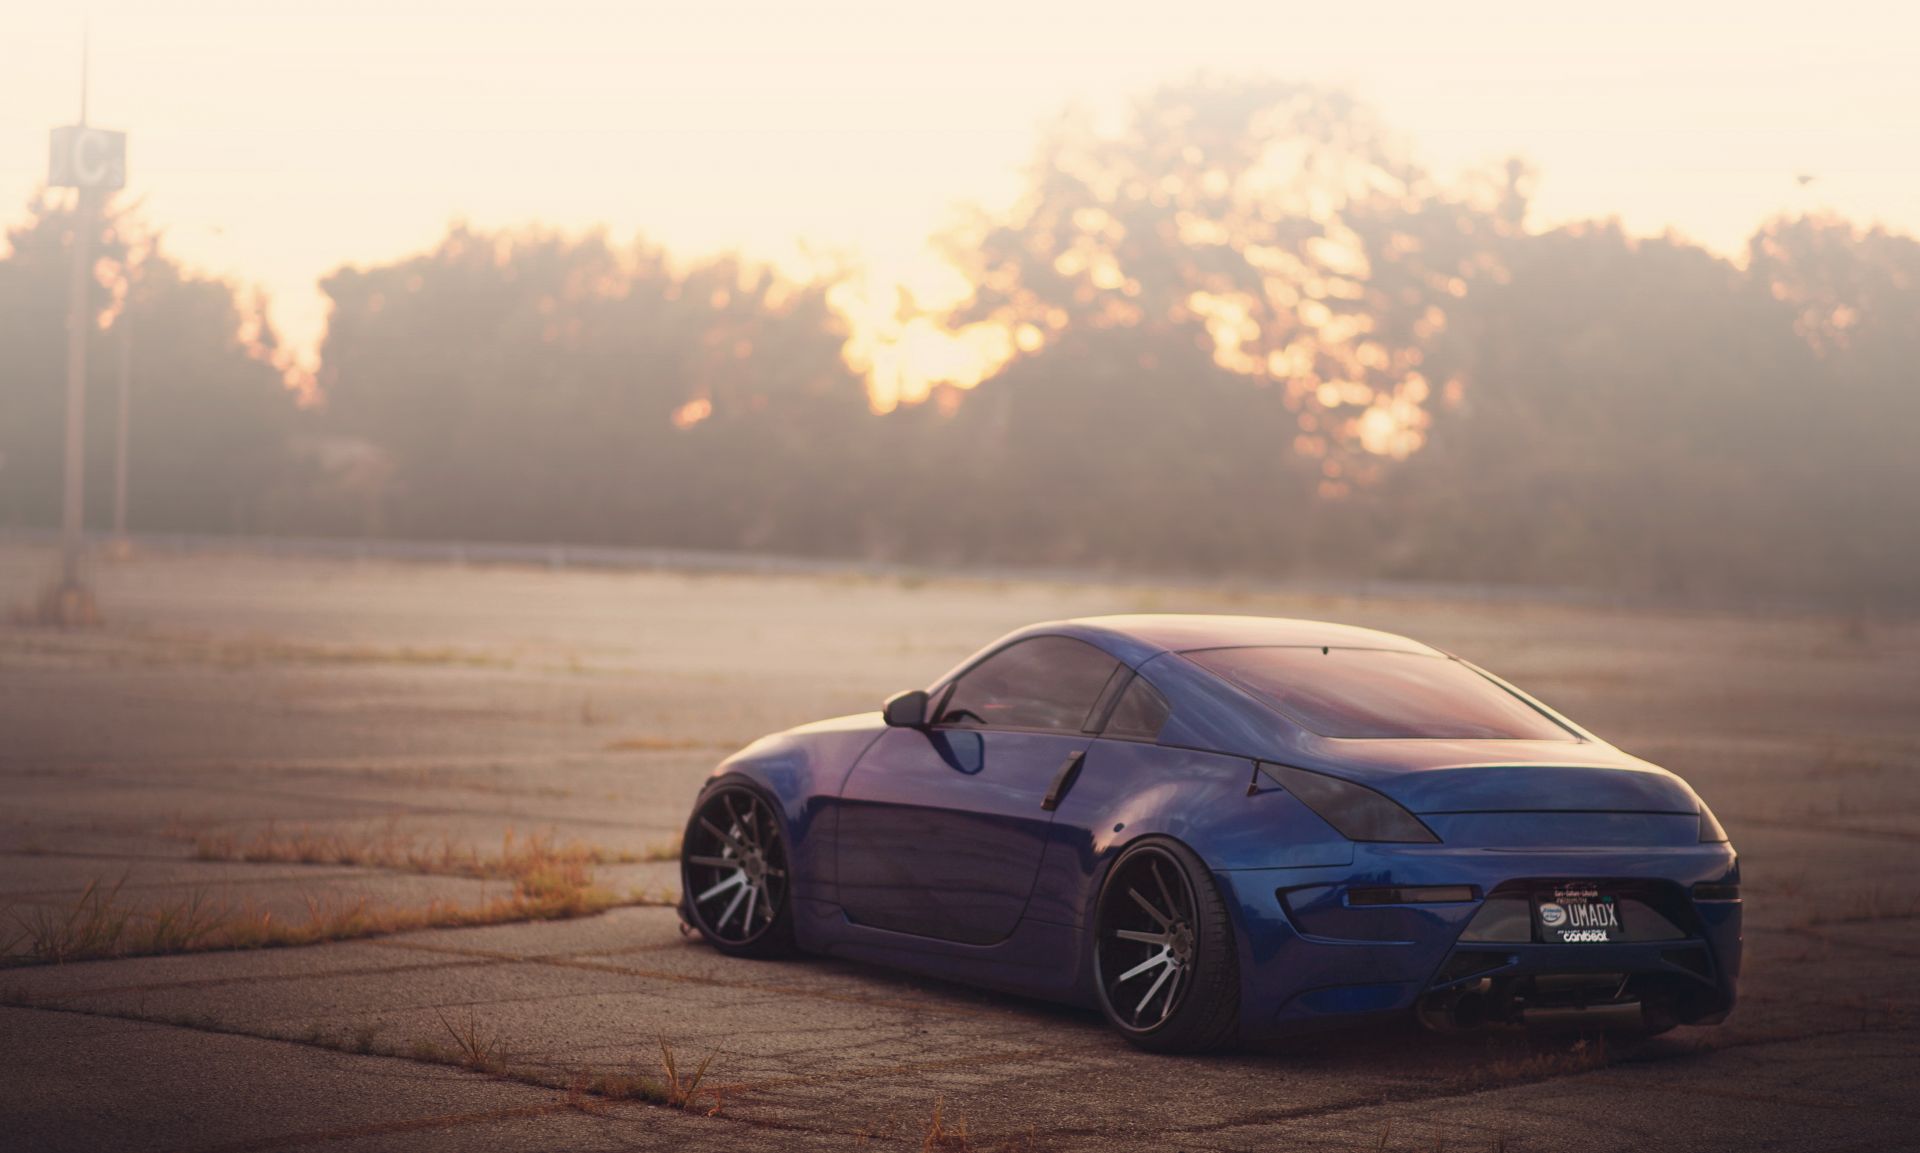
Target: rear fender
(1129,790)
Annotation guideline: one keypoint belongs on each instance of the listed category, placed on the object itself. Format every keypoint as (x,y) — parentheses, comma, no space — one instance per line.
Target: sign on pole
(88,158)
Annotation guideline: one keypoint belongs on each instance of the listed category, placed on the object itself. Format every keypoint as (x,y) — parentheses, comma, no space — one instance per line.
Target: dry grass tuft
(944,1134)
(671,1088)
(665,745)
(473,1048)
(1582,1056)
(59,606)
(550,881)
(97,926)
(250,652)
(683,1092)
(534,861)
(940,1137)
(93,923)
(179,927)
(580,1097)
(662,851)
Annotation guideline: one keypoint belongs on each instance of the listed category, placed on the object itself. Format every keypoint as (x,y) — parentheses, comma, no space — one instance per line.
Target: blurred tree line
(1243,335)
(213,416)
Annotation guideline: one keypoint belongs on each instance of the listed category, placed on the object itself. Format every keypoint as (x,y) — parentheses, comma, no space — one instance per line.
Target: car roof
(1137,638)
(1140,635)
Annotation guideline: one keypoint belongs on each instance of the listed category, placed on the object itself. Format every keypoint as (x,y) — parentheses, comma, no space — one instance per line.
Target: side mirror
(906,710)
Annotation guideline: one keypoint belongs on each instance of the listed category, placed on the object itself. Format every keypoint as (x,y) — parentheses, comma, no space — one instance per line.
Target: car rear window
(1379,694)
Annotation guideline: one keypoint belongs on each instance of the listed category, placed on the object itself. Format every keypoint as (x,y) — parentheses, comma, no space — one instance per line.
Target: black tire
(735,879)
(1161,931)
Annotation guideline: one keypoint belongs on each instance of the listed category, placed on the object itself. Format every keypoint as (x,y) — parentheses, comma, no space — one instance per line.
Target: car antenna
(1253,782)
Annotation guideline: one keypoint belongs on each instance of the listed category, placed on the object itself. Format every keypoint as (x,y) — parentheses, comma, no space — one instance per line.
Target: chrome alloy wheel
(1147,943)
(735,866)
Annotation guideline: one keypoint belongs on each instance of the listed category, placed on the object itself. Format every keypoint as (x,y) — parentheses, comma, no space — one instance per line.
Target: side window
(1043,683)
(1141,713)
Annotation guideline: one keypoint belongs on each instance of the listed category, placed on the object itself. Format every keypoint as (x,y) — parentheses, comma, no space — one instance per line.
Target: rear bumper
(1383,959)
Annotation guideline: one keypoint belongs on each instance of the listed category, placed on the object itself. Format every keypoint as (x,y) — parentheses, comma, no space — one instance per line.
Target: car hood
(851,723)
(1482,776)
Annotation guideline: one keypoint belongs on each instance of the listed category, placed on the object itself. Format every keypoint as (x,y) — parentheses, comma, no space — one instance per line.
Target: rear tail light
(1716,891)
(1355,811)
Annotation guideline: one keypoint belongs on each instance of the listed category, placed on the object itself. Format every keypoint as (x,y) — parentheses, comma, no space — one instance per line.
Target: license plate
(1576,914)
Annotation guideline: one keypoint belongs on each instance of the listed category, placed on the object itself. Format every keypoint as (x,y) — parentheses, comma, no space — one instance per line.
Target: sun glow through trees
(1277,225)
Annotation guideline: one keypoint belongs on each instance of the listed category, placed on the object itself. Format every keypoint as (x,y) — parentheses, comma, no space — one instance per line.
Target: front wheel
(734,872)
(1163,953)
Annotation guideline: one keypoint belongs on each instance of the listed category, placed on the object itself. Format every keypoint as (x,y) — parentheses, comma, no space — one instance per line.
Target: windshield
(1373,693)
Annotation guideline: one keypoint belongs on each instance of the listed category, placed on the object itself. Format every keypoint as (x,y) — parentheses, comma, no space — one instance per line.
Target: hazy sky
(275,140)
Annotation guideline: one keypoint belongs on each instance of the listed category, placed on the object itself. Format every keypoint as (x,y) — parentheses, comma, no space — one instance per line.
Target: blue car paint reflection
(930,849)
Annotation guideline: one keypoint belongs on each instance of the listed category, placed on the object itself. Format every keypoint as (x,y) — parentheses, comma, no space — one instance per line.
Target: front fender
(802,769)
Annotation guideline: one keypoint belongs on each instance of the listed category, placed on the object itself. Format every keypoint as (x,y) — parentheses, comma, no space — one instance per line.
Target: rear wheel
(734,872)
(1163,953)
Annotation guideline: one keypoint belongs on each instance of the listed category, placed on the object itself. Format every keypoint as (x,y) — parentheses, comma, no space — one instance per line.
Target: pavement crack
(585,964)
(1771,1097)
(251,979)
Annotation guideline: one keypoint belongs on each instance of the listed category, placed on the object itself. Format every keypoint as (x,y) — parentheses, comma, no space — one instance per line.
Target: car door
(942,828)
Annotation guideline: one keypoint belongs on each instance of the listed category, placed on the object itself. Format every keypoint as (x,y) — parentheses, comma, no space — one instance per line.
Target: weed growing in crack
(682,1092)
(92,925)
(469,1046)
(366,1036)
(180,927)
(940,1136)
(98,926)
(1581,1056)
(538,866)
(672,1087)
(474,1048)
(943,1136)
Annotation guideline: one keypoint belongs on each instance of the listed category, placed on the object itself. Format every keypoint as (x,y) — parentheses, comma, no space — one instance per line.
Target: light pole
(125,326)
(72,509)
(93,161)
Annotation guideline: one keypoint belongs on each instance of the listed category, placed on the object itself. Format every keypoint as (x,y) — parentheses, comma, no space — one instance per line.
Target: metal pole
(73,511)
(125,326)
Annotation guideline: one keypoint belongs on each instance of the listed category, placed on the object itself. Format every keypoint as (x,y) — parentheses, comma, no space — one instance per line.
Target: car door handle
(1063,780)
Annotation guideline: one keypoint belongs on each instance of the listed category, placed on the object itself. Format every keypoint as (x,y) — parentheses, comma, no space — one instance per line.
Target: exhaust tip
(1459,1010)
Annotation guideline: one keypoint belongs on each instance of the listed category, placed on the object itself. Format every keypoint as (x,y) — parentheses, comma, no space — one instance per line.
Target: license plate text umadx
(1576,914)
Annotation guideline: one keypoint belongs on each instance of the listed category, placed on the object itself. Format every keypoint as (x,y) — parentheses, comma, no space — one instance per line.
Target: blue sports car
(1218,829)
